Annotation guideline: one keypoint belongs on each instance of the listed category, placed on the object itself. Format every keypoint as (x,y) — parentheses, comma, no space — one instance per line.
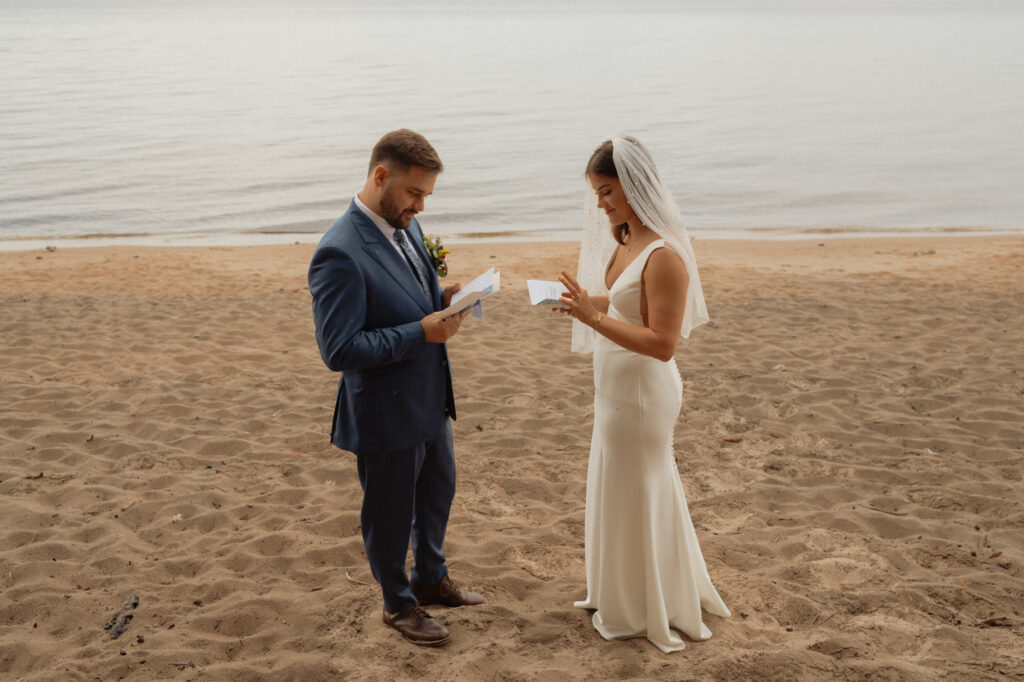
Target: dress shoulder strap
(645,255)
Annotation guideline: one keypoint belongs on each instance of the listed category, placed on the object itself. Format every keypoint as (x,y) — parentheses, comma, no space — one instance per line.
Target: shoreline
(15,244)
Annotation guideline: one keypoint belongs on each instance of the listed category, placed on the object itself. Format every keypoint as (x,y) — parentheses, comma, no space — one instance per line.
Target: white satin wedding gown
(645,571)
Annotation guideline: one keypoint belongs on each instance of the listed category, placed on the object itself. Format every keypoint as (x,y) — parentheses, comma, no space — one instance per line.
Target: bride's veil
(653,204)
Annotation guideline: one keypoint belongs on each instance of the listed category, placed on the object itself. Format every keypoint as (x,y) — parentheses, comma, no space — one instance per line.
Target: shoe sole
(420,642)
(440,642)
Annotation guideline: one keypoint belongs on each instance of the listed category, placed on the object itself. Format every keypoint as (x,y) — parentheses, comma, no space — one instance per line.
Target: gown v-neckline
(635,259)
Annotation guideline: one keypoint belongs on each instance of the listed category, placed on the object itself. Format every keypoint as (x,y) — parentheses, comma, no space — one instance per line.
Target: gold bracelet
(600,316)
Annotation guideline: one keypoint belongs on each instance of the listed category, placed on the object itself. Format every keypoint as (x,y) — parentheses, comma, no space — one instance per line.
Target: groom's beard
(394,215)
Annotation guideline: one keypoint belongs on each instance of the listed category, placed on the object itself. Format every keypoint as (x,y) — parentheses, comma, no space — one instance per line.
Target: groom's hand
(451,291)
(437,328)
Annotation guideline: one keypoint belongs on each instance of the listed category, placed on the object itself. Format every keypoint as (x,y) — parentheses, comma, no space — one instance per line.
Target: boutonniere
(432,243)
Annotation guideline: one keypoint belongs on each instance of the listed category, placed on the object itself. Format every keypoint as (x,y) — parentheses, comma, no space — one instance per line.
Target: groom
(375,304)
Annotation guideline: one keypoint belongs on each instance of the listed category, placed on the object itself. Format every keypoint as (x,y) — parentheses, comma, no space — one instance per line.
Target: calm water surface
(766,118)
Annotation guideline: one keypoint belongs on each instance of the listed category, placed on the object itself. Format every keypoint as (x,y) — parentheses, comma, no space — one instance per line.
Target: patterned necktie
(414,261)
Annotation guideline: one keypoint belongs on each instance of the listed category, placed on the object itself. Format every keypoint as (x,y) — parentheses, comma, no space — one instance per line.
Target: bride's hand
(578,300)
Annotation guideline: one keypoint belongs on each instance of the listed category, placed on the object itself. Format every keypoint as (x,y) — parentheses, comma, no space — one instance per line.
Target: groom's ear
(380,176)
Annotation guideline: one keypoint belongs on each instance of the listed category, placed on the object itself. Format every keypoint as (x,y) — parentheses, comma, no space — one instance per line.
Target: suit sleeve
(339,312)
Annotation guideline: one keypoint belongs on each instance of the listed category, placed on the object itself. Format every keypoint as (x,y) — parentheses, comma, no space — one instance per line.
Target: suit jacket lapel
(377,246)
(435,283)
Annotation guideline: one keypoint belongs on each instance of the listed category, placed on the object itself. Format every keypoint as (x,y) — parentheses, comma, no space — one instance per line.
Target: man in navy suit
(376,305)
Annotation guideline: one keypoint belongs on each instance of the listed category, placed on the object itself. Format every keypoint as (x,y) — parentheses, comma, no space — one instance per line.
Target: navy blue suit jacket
(396,388)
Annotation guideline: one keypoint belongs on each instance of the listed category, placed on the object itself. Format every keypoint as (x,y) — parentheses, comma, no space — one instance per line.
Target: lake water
(224,119)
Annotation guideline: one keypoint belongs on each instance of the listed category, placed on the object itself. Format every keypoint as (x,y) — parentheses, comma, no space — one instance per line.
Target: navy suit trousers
(407,493)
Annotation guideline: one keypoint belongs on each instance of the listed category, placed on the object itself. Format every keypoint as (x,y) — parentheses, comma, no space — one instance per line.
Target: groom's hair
(402,149)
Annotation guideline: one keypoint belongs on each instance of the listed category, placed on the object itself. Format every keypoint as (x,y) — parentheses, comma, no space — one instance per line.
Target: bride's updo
(602,162)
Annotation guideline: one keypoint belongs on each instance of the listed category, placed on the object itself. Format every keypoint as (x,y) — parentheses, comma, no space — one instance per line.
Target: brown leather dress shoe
(417,626)
(445,592)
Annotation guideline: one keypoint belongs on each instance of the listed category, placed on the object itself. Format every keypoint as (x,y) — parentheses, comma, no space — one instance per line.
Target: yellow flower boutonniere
(432,243)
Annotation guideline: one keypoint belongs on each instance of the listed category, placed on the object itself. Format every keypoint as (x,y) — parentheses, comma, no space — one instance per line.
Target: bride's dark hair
(602,162)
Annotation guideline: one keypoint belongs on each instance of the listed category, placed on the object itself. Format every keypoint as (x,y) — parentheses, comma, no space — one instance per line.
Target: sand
(851,444)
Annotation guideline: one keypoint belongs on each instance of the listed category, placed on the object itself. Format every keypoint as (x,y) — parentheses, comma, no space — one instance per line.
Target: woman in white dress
(636,292)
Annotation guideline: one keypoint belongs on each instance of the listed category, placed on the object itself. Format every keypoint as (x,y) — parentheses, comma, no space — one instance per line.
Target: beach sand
(851,445)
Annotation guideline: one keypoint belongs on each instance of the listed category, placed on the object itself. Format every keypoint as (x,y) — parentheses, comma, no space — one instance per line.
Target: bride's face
(611,199)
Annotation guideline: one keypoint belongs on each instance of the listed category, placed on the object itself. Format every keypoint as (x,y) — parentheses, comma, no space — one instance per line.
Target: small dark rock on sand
(117,624)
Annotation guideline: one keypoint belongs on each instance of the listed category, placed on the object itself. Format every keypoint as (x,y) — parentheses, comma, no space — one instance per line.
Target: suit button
(444,363)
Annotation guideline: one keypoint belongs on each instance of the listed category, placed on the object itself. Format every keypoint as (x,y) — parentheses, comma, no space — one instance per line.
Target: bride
(645,571)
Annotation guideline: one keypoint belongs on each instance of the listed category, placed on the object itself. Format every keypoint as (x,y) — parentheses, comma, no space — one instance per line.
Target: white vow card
(470,295)
(545,292)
